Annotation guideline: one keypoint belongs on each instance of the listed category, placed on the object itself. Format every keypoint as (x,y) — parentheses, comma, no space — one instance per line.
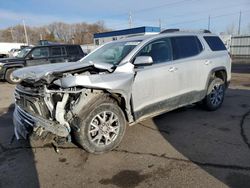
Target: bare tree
(5,36)
(82,33)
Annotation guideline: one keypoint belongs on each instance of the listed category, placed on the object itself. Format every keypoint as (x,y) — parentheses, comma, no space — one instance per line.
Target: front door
(154,84)
(38,56)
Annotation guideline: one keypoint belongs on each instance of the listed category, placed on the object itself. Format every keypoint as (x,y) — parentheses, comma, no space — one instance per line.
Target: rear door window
(215,43)
(185,46)
(72,50)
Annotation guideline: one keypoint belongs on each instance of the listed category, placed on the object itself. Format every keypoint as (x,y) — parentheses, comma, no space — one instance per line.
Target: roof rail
(170,30)
(178,30)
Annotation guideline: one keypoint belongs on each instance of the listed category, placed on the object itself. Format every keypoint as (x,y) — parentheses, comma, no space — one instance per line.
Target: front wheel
(215,94)
(102,126)
(10,78)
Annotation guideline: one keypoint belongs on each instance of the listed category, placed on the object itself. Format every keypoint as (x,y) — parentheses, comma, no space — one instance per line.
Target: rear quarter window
(185,46)
(215,43)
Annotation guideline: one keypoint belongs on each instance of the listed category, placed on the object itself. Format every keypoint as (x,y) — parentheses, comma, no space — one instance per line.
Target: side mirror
(29,57)
(143,60)
(32,56)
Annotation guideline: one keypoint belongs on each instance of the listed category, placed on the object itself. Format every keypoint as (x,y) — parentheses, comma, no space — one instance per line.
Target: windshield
(111,53)
(23,52)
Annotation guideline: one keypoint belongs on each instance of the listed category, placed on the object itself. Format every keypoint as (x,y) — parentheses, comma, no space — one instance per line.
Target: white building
(5,47)
(101,38)
(237,45)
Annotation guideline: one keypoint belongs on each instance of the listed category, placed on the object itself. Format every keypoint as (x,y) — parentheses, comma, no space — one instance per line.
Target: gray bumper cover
(24,123)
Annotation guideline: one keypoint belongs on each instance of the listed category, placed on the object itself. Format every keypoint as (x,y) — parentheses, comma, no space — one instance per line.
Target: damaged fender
(119,82)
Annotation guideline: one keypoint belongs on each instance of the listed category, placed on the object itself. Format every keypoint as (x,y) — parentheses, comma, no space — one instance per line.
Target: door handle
(207,62)
(172,69)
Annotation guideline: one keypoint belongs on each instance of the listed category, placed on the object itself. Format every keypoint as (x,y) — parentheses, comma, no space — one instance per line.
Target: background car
(39,55)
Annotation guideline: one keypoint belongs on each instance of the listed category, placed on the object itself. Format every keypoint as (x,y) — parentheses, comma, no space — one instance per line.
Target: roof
(55,45)
(144,37)
(136,30)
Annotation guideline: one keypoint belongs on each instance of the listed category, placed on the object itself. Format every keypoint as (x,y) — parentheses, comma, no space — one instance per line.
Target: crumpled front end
(36,112)
(51,108)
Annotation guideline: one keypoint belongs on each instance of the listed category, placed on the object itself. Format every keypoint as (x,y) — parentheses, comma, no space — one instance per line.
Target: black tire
(215,94)
(9,78)
(88,116)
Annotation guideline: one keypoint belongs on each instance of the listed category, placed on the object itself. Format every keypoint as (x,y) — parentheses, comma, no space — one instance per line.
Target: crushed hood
(36,73)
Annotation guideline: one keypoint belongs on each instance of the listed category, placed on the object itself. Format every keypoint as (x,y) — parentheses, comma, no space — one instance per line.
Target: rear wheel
(102,125)
(10,78)
(215,94)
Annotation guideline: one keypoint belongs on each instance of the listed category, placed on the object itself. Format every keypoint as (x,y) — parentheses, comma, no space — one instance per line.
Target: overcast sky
(189,14)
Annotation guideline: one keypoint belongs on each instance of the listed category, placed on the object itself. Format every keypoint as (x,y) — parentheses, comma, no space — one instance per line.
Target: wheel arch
(219,72)
(124,104)
(120,98)
(11,67)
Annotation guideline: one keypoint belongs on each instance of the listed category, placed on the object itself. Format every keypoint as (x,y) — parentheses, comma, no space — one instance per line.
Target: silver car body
(146,90)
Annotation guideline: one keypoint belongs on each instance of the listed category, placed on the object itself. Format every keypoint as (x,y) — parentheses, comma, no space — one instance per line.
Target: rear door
(38,56)
(57,54)
(186,57)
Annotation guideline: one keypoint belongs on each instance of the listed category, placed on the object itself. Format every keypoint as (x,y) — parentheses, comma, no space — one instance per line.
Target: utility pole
(25,32)
(11,32)
(239,23)
(159,23)
(208,26)
(130,20)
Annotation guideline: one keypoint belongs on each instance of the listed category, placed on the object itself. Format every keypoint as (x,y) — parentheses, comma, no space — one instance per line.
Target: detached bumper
(25,123)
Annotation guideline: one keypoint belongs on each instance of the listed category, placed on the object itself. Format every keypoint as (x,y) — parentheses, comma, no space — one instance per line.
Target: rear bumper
(25,123)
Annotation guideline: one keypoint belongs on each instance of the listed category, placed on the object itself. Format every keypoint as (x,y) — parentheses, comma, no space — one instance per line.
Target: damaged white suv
(120,84)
